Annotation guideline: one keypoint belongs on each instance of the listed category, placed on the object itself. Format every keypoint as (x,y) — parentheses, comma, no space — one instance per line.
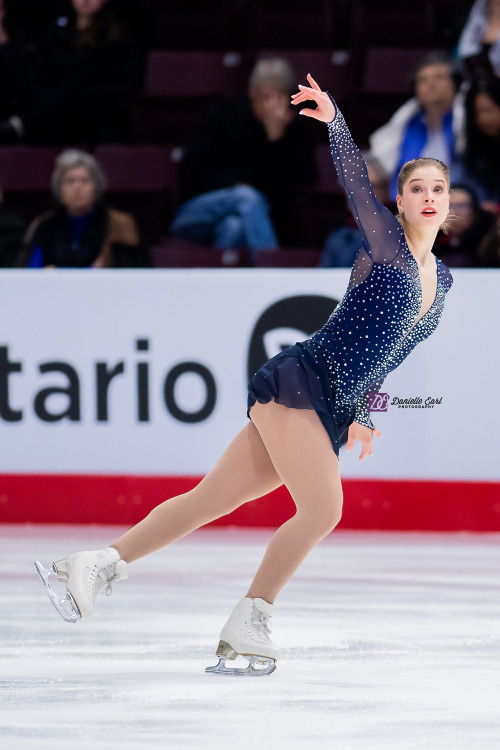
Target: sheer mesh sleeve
(362,413)
(382,234)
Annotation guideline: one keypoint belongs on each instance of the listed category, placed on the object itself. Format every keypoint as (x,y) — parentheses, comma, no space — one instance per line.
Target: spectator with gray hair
(242,165)
(82,231)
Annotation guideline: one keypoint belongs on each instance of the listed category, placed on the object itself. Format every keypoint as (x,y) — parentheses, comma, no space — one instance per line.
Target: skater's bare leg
(302,453)
(243,473)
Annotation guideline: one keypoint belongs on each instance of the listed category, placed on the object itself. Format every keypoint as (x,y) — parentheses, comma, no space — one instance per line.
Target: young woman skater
(302,401)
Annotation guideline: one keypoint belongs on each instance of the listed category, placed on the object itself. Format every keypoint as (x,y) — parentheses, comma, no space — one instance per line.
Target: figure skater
(302,401)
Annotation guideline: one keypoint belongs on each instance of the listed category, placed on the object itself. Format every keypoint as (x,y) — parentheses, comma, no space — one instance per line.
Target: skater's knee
(323,518)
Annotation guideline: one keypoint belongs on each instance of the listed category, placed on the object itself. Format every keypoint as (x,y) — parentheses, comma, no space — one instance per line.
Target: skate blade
(257,667)
(65,605)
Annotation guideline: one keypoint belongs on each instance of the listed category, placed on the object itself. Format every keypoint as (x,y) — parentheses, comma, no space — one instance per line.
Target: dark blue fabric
(78,224)
(36,259)
(296,378)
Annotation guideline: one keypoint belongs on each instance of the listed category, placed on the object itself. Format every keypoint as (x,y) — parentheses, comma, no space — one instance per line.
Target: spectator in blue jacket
(432,123)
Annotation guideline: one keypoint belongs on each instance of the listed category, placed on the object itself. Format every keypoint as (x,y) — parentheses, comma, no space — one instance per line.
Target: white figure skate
(246,633)
(84,573)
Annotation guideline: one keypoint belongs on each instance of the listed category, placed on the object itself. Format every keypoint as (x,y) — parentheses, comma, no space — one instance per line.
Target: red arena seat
(289,258)
(181,254)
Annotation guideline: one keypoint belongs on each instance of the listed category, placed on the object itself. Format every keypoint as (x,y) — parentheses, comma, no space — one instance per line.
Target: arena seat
(174,253)
(388,70)
(290,23)
(178,87)
(332,69)
(385,22)
(195,24)
(289,258)
(26,167)
(25,177)
(143,181)
(185,74)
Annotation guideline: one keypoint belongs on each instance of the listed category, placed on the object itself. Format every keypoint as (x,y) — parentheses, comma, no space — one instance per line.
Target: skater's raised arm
(382,233)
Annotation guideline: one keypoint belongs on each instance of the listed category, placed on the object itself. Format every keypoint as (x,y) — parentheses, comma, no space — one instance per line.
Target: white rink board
(80,318)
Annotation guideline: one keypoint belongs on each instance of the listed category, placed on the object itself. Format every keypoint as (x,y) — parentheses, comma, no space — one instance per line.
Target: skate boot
(246,633)
(84,574)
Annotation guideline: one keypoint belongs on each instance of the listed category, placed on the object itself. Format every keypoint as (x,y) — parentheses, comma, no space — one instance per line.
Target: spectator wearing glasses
(82,232)
(468,225)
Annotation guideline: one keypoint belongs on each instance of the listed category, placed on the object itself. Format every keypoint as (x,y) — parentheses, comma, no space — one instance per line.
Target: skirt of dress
(298,379)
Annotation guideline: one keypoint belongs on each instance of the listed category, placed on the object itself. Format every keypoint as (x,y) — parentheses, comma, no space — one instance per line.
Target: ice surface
(388,641)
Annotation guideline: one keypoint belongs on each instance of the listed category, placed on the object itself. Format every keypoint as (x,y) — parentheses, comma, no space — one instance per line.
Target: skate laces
(260,622)
(104,577)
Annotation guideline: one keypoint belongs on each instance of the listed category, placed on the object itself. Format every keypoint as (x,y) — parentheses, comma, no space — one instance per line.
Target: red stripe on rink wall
(378,504)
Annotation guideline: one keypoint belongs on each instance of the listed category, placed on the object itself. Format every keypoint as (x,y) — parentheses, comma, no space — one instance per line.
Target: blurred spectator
(242,165)
(88,63)
(341,248)
(14,79)
(488,252)
(82,232)
(479,43)
(482,157)
(469,224)
(12,230)
(429,124)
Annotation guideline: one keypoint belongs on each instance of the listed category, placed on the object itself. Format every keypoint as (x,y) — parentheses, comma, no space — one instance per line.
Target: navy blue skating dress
(372,330)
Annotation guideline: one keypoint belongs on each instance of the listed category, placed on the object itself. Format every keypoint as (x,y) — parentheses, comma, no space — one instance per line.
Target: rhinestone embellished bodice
(375,326)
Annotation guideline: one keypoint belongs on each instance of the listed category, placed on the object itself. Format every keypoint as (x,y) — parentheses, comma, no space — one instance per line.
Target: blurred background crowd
(139,133)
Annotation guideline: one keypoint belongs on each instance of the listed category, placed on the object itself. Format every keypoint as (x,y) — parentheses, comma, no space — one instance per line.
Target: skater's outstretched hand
(364,435)
(325,110)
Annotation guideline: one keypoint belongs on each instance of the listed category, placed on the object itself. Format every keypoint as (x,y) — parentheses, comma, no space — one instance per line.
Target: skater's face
(78,192)
(87,7)
(425,199)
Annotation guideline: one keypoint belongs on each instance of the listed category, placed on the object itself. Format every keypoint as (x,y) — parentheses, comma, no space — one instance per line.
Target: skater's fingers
(311,113)
(313,82)
(312,94)
(366,450)
(297,98)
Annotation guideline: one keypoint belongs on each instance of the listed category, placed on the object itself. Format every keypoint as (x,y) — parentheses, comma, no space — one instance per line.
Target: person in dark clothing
(242,165)
(15,86)
(488,251)
(482,155)
(469,224)
(88,63)
(82,232)
(12,230)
